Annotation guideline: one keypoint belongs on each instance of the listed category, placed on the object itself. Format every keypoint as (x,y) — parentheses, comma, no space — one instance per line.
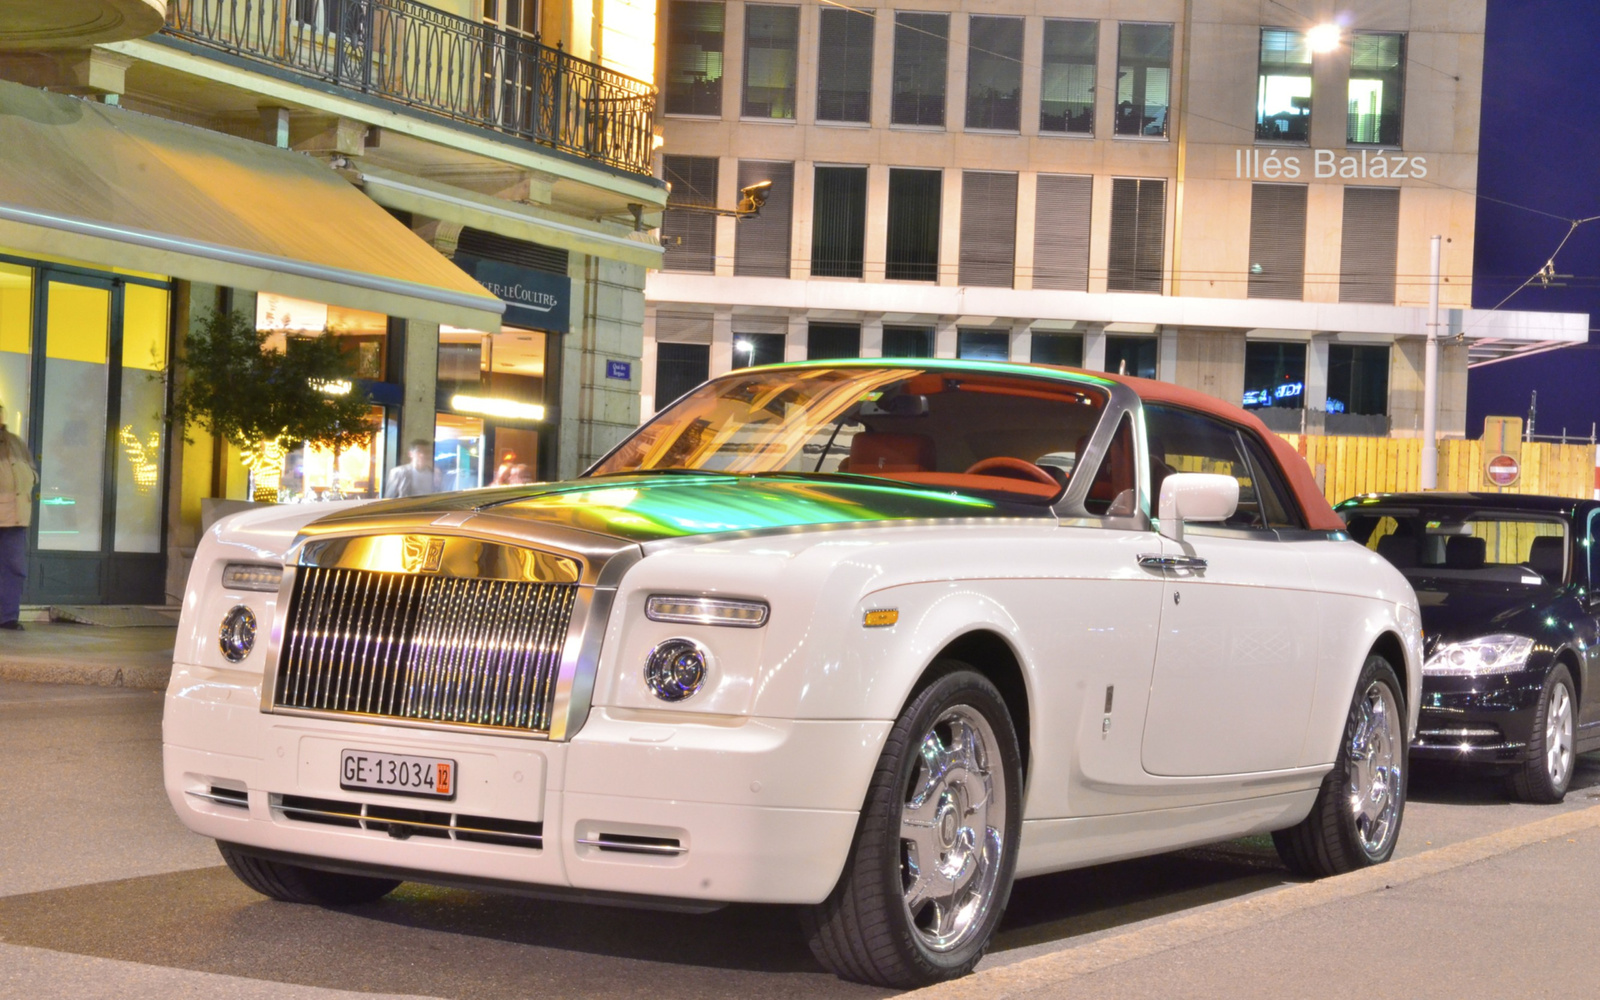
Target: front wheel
(1544,777)
(930,869)
(1356,818)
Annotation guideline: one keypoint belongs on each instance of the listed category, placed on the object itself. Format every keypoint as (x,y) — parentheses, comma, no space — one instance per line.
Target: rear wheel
(1356,818)
(930,870)
(1544,777)
(296,884)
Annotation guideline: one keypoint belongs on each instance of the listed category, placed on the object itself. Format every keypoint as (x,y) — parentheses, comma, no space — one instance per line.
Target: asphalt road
(103,893)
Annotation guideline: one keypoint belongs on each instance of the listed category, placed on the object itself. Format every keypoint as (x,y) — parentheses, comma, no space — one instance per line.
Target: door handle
(1152,561)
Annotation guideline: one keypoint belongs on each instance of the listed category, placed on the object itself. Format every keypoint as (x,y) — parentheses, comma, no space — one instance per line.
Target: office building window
(1144,79)
(844,65)
(1061,232)
(679,368)
(1135,257)
(771,35)
(838,221)
(1274,375)
(1131,356)
(1283,87)
(1377,88)
(761,241)
(1277,241)
(694,58)
(1066,85)
(994,73)
(921,51)
(689,239)
(912,252)
(983,345)
(751,349)
(1358,380)
(988,229)
(908,341)
(833,340)
(1056,349)
(1369,245)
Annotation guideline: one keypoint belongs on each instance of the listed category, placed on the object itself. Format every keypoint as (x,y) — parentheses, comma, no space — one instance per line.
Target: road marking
(1057,967)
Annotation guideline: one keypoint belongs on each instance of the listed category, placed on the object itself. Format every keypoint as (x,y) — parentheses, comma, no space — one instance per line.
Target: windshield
(1444,544)
(966,431)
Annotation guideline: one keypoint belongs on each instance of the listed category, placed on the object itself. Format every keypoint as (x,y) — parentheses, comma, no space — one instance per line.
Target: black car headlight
(1489,654)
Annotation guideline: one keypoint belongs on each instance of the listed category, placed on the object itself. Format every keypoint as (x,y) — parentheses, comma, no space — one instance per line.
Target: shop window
(921,56)
(983,345)
(771,35)
(363,336)
(1144,79)
(1275,382)
(994,73)
(912,249)
(752,349)
(679,368)
(695,41)
(16,335)
(988,229)
(844,65)
(315,472)
(1056,349)
(72,445)
(1283,87)
(1131,356)
(1277,241)
(1066,86)
(833,340)
(838,226)
(908,341)
(458,452)
(141,436)
(1358,381)
(1377,88)
(1135,258)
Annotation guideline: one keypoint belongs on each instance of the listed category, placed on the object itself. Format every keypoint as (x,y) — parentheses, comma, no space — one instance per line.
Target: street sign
(619,369)
(1502,470)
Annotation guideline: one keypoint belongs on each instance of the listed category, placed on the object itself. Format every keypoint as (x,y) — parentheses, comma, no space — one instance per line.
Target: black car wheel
(1356,818)
(1546,774)
(930,871)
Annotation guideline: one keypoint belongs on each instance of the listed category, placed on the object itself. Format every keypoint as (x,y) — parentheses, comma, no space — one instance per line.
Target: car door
(1236,657)
(1589,543)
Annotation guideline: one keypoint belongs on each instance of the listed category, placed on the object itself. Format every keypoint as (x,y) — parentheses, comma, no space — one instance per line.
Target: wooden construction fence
(1347,466)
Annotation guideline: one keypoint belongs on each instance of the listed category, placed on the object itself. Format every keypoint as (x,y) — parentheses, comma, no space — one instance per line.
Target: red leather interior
(872,453)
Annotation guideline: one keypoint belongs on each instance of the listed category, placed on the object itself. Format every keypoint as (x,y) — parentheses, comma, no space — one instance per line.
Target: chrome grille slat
(423,648)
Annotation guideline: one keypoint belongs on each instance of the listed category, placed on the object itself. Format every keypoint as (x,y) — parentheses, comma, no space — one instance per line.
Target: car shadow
(1435,782)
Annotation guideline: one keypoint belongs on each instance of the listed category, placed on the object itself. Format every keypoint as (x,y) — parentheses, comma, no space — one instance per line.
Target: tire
(294,884)
(893,919)
(1547,773)
(1371,769)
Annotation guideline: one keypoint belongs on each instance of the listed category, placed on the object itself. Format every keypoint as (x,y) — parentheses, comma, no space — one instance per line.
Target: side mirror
(1195,496)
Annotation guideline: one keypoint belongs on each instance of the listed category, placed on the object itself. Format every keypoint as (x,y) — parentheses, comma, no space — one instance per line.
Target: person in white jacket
(17,479)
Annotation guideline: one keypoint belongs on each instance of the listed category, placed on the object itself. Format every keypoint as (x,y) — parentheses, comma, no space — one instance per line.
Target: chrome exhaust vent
(402,823)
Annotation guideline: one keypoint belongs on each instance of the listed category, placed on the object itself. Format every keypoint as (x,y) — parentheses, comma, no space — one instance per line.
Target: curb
(148,678)
(1057,968)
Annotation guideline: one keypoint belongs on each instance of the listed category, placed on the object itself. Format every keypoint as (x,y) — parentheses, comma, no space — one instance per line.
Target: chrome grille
(429,648)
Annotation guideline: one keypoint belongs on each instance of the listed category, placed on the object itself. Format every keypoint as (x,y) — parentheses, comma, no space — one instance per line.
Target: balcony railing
(437,62)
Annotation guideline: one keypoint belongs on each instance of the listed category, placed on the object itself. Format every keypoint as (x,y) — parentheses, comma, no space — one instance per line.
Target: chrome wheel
(1377,755)
(952,829)
(1558,736)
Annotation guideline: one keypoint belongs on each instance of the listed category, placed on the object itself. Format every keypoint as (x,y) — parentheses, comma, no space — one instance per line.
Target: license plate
(370,771)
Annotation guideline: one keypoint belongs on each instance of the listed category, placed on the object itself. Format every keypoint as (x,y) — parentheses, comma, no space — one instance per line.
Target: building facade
(461,191)
(1224,195)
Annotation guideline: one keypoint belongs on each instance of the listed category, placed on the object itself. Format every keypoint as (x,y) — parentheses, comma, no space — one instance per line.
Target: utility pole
(1430,381)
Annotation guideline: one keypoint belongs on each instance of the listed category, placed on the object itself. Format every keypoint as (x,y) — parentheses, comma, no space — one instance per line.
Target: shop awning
(118,189)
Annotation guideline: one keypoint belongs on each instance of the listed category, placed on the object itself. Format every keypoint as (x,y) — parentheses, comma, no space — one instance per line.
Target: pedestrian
(416,477)
(17,479)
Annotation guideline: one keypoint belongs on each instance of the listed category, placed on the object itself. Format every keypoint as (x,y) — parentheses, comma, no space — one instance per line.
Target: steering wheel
(1011,468)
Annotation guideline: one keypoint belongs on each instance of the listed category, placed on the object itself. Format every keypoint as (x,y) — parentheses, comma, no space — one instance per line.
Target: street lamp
(1323,38)
(746,348)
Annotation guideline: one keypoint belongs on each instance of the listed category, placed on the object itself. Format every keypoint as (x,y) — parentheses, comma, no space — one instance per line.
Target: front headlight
(1490,654)
(705,611)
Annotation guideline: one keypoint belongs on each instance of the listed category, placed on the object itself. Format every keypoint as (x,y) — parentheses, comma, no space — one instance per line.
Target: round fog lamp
(238,634)
(676,669)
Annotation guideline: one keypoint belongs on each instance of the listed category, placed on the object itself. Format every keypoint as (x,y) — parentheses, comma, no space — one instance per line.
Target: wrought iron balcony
(437,62)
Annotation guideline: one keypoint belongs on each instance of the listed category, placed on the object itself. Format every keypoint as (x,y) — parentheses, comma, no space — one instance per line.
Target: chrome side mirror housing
(1195,496)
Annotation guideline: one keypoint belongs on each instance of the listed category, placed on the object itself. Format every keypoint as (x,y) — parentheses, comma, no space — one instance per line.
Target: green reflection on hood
(644,508)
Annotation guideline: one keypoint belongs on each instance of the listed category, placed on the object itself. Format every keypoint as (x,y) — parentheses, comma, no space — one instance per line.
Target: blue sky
(1540,152)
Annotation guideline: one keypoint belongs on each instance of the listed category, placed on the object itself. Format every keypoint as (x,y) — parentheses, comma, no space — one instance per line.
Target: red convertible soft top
(1314,506)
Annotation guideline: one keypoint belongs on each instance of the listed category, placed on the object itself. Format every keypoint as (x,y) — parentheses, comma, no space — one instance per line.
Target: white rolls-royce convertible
(872,638)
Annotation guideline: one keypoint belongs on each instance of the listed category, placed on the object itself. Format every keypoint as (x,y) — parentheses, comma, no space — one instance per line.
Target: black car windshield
(1454,544)
(979,431)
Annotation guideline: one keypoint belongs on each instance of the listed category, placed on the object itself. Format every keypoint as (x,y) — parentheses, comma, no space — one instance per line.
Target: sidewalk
(70,653)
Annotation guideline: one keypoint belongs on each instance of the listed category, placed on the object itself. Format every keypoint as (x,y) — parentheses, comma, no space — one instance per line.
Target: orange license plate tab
(396,774)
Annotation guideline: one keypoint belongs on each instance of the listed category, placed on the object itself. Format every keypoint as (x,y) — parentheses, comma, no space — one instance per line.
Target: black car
(1511,621)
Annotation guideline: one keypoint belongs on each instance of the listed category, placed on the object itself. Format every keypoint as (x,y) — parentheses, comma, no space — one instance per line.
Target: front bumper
(735,810)
(1484,720)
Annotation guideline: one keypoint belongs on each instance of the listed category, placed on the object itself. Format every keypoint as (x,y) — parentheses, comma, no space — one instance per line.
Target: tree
(267,401)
